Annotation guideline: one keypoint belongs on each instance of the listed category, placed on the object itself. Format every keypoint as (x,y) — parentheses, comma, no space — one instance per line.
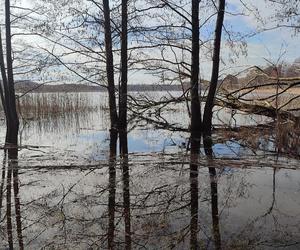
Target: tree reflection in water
(214,196)
(163,202)
(11,172)
(214,207)
(194,201)
(112,189)
(126,187)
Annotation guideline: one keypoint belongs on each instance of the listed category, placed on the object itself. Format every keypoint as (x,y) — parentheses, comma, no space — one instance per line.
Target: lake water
(59,193)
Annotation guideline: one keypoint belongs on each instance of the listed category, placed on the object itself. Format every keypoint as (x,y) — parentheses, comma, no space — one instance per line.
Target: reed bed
(41,105)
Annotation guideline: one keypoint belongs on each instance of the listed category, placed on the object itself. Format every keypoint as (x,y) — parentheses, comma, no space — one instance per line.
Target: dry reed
(41,105)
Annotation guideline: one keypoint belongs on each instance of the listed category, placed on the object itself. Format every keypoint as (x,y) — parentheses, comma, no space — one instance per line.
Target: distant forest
(29,86)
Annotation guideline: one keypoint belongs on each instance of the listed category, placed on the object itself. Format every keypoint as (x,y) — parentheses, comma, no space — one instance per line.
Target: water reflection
(11,172)
(148,202)
(126,187)
(194,205)
(214,207)
(112,189)
(80,120)
(195,150)
(208,149)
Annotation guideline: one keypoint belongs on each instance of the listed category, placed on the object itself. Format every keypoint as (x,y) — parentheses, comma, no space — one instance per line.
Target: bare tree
(7,91)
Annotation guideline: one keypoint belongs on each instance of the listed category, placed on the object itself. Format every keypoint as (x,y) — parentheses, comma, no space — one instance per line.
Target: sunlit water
(63,180)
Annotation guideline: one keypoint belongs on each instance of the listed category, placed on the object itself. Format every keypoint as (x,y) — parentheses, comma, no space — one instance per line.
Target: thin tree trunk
(4,91)
(195,125)
(110,66)
(2,70)
(208,110)
(124,71)
(13,128)
(195,102)
(123,124)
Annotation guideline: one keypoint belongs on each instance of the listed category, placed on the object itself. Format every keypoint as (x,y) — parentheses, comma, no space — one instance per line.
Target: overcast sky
(269,45)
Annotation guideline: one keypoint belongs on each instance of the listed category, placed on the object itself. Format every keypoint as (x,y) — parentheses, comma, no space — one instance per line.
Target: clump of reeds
(39,105)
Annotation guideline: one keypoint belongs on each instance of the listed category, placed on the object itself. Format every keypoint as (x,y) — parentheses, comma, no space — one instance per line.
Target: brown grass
(41,105)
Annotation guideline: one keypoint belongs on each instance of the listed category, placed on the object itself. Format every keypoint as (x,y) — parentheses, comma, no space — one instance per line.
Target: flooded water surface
(65,189)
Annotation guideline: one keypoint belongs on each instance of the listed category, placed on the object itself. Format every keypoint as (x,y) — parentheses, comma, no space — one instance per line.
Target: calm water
(63,190)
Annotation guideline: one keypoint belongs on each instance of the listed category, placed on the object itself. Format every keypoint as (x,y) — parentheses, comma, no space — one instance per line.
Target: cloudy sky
(242,16)
(268,44)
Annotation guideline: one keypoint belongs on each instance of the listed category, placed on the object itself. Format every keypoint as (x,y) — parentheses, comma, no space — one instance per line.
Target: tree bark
(195,125)
(124,67)
(208,110)
(8,92)
(123,124)
(110,67)
(124,80)
(4,86)
(195,101)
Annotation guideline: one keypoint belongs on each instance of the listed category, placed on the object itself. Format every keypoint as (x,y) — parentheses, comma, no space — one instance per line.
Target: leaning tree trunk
(208,110)
(110,67)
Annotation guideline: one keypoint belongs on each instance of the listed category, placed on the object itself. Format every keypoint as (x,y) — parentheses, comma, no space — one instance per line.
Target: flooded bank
(65,189)
(64,208)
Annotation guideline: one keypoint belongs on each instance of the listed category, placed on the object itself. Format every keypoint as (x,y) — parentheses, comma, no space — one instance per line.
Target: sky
(264,47)
(269,44)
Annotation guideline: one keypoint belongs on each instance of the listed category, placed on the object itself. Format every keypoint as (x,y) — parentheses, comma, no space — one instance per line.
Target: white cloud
(267,45)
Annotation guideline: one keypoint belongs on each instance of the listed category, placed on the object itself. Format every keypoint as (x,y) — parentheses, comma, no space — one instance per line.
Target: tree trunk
(195,101)
(124,80)
(123,124)
(8,92)
(110,67)
(124,69)
(2,70)
(4,88)
(195,125)
(208,110)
